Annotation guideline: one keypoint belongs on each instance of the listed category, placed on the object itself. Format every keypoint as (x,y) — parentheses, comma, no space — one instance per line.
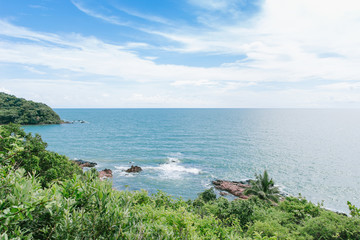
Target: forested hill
(21,111)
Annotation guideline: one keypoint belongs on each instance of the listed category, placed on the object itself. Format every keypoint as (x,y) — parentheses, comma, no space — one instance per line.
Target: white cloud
(111,19)
(201,82)
(351,86)
(38,7)
(10,30)
(151,58)
(34,70)
(288,37)
(137,45)
(296,41)
(92,56)
(214,4)
(144,16)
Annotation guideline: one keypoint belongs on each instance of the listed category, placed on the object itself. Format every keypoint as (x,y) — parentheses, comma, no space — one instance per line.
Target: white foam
(121,168)
(120,171)
(174,168)
(171,169)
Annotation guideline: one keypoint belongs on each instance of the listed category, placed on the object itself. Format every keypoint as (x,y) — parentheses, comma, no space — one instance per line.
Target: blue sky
(190,53)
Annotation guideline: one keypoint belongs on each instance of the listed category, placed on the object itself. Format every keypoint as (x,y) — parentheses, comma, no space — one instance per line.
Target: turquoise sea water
(312,152)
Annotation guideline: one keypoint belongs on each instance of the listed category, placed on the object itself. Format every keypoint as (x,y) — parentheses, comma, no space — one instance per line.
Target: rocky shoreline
(225,187)
(237,188)
(105,173)
(232,187)
(83,163)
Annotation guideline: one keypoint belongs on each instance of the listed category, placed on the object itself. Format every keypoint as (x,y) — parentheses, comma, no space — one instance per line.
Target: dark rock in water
(106,173)
(235,188)
(73,122)
(341,213)
(246,182)
(83,163)
(134,169)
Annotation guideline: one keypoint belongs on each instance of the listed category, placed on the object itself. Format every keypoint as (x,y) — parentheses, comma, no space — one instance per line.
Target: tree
(263,187)
(21,111)
(19,149)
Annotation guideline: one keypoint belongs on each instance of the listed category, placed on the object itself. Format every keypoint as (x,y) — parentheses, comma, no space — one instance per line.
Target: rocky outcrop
(103,174)
(73,122)
(134,169)
(235,188)
(83,163)
(106,173)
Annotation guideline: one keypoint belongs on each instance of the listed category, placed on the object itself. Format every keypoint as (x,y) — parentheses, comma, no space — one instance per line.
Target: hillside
(21,111)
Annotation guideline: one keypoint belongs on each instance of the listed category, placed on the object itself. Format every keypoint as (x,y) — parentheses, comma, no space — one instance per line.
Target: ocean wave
(172,169)
(120,171)
(169,168)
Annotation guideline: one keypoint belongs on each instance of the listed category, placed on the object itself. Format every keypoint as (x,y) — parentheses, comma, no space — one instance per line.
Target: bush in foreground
(87,208)
(29,152)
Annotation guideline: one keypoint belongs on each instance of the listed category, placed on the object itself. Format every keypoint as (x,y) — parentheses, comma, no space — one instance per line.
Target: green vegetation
(29,152)
(264,188)
(354,211)
(80,206)
(21,111)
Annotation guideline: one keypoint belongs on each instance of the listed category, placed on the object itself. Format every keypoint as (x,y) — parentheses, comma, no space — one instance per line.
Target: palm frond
(264,188)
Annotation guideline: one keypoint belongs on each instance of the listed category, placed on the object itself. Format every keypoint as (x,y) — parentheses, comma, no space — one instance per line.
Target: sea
(312,152)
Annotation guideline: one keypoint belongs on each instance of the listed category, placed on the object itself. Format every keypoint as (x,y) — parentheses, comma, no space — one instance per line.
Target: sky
(182,53)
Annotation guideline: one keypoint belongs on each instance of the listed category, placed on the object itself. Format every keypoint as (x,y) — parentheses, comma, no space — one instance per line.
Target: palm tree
(264,188)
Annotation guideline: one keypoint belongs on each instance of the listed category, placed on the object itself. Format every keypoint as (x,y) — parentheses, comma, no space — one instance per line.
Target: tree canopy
(29,152)
(264,188)
(21,111)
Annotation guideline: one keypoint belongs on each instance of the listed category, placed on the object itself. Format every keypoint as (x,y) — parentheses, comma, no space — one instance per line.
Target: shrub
(299,208)
(354,211)
(87,208)
(330,225)
(269,229)
(208,195)
(29,152)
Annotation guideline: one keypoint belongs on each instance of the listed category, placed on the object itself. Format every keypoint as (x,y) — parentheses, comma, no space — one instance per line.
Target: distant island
(24,112)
